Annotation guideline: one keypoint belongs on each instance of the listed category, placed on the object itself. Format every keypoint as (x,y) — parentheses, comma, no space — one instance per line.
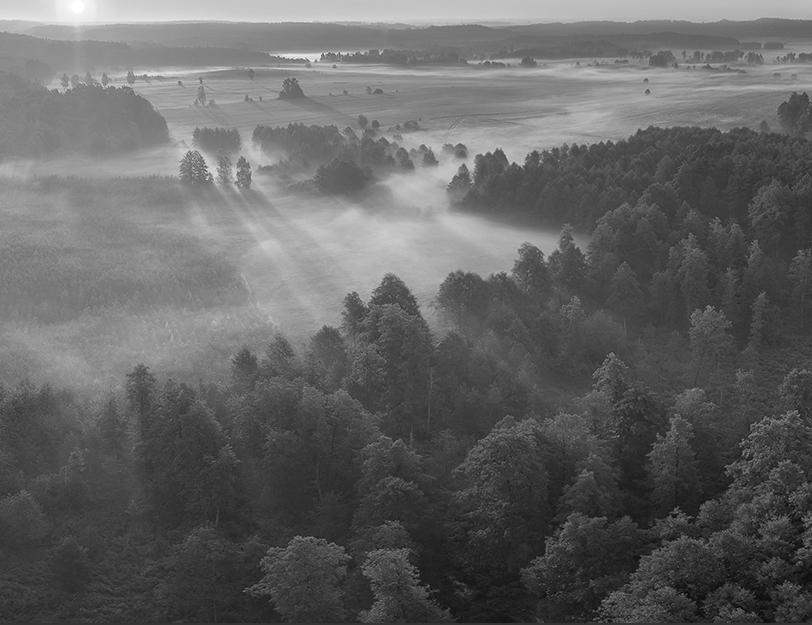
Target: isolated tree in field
(130,78)
(429,160)
(291,89)
(795,115)
(251,74)
(224,175)
(399,597)
(528,62)
(64,81)
(201,95)
(89,80)
(800,274)
(75,80)
(105,79)
(243,174)
(303,580)
(709,337)
(362,121)
(673,468)
(193,169)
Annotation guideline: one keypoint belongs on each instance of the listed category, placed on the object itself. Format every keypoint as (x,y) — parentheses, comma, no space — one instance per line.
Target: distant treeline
(80,56)
(464,38)
(397,57)
(38,122)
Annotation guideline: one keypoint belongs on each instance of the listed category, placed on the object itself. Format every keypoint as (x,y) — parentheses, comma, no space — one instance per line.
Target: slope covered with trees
(619,432)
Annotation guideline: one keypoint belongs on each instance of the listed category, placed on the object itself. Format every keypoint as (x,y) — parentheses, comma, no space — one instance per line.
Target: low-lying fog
(300,255)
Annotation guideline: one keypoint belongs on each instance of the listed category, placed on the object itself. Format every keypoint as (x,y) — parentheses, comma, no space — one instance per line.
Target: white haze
(301,255)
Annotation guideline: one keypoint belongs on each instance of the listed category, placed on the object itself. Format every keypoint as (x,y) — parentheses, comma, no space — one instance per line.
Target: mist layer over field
(293,257)
(516,108)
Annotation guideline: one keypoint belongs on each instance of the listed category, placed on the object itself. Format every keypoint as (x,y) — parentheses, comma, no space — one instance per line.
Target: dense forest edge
(619,433)
(89,118)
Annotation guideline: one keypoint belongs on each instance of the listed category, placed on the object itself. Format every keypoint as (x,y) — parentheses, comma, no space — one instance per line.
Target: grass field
(285,262)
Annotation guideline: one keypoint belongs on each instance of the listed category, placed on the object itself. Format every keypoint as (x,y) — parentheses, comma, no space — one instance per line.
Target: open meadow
(290,259)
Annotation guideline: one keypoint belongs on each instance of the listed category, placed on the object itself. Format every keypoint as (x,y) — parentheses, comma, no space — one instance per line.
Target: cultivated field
(292,259)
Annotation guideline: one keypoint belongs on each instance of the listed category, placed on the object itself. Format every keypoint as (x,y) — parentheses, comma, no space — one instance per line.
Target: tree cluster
(93,119)
(715,173)
(213,140)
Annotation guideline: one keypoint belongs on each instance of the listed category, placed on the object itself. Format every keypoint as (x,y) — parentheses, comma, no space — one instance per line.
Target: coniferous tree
(710,337)
(800,273)
(193,169)
(758,322)
(224,175)
(673,468)
(625,296)
(243,174)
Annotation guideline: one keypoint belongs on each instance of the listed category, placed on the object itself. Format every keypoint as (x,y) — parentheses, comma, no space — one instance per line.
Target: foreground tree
(303,580)
(583,562)
(506,495)
(399,597)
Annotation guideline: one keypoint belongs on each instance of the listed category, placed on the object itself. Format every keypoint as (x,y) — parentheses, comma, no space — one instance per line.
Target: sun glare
(77,6)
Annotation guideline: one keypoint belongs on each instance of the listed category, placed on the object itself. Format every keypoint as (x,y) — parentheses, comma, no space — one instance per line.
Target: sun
(77,6)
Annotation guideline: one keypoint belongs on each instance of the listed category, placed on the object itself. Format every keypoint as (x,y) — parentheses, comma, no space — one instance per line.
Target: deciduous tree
(304,580)
(399,597)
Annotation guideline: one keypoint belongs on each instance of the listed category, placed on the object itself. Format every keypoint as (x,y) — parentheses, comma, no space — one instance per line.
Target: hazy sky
(409,10)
